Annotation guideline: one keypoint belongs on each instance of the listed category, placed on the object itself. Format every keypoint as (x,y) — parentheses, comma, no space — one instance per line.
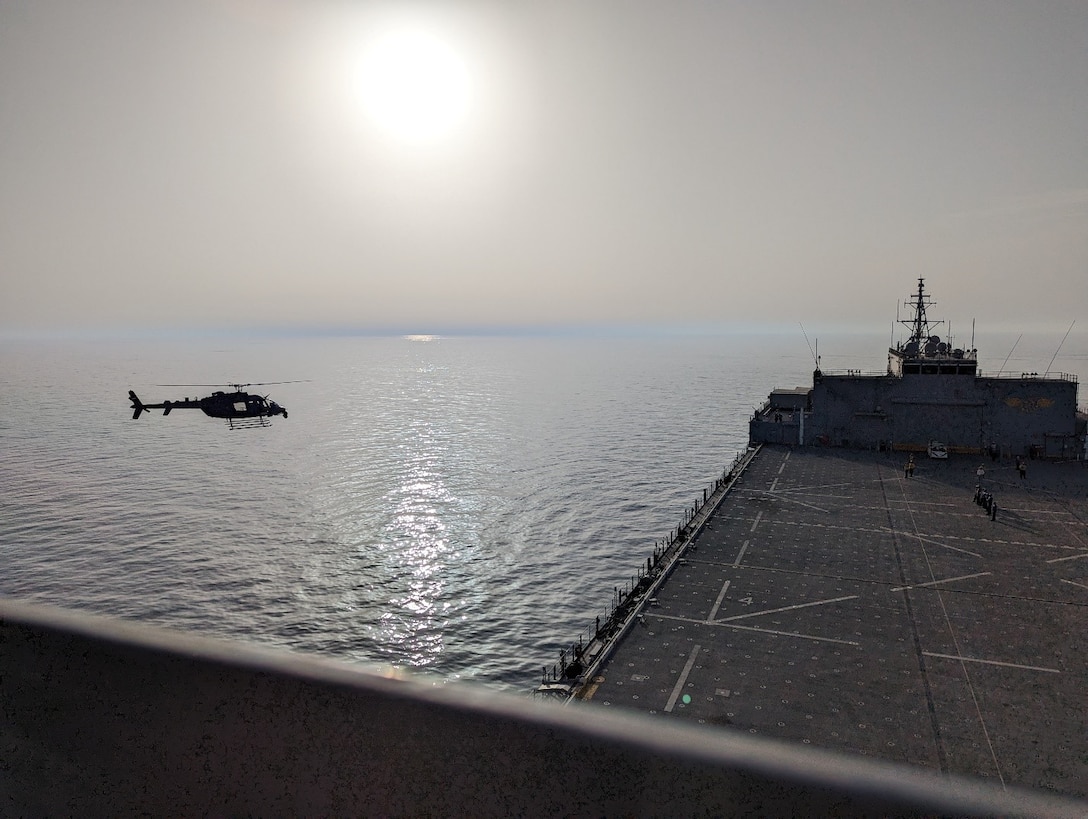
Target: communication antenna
(1006,361)
(972,334)
(1048,366)
(920,326)
(809,343)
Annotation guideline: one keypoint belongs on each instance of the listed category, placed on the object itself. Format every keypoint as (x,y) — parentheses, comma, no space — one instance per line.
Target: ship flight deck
(832,600)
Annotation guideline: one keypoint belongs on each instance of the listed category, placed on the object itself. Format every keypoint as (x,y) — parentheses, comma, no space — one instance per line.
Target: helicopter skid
(248,423)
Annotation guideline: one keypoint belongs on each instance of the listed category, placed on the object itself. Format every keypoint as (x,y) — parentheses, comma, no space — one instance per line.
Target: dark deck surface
(834,602)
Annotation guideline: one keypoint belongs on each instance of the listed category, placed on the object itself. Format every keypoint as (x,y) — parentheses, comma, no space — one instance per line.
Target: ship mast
(920,325)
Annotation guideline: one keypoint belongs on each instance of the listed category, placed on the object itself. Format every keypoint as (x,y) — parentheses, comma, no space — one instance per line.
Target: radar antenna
(920,326)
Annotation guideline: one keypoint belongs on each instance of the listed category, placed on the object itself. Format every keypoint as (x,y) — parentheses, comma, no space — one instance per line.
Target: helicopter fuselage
(237,405)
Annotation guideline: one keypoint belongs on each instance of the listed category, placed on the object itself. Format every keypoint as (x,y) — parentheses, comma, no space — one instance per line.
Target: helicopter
(240,409)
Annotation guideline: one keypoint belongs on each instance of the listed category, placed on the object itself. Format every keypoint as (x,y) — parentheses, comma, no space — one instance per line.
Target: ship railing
(1032,376)
(855,373)
(1048,376)
(579,661)
(767,409)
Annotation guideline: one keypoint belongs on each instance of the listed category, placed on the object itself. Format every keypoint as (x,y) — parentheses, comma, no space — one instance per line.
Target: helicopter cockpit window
(240,406)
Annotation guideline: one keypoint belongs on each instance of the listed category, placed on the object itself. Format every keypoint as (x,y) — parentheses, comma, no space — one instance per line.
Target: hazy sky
(197,163)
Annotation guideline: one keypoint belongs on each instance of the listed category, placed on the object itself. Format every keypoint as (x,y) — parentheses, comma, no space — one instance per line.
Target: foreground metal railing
(100,717)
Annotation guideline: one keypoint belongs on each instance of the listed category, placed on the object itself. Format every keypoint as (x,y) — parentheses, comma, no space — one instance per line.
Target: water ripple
(462,507)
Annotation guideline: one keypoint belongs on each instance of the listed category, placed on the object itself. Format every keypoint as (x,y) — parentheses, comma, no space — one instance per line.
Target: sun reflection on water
(419,536)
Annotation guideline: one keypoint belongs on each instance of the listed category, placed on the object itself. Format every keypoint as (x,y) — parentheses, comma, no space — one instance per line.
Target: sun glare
(414,86)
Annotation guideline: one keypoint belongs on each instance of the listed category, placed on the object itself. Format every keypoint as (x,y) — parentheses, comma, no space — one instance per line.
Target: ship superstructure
(932,390)
(925,352)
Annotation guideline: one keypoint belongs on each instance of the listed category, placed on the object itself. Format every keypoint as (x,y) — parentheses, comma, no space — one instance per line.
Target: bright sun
(414,86)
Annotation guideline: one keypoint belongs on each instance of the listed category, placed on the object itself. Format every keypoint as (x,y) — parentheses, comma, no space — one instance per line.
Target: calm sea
(462,507)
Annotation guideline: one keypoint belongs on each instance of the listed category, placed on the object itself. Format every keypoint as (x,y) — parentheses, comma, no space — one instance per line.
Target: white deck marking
(939,582)
(788,608)
(781,496)
(884,530)
(755,523)
(992,662)
(1074,583)
(790,634)
(813,486)
(740,554)
(718,602)
(1071,557)
(957,549)
(923,539)
(683,679)
(723,624)
(783,466)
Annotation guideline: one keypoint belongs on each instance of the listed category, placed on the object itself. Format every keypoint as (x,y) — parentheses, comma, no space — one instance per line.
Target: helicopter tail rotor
(137,405)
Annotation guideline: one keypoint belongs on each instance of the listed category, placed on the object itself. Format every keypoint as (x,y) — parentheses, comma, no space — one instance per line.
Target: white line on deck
(783,495)
(923,539)
(1073,583)
(787,608)
(755,523)
(888,530)
(783,466)
(956,549)
(723,624)
(740,554)
(992,662)
(718,602)
(939,582)
(774,485)
(1071,557)
(790,634)
(780,495)
(683,679)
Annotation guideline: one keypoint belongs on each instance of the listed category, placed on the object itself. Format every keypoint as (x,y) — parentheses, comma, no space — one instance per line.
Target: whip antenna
(1006,361)
(1048,366)
(809,343)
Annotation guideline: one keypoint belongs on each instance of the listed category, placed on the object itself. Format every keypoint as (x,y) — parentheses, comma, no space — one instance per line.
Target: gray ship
(897,568)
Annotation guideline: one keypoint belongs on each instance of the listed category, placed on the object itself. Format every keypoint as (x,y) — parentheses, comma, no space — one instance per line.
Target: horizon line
(569,330)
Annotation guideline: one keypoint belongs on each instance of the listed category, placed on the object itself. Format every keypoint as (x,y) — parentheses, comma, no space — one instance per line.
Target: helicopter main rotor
(239,387)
